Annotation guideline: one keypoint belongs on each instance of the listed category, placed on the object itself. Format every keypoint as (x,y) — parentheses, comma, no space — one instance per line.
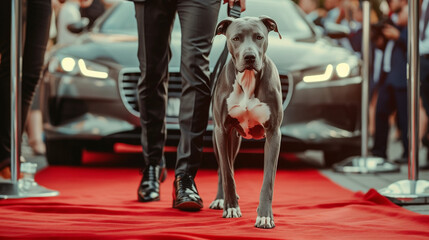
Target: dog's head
(247,40)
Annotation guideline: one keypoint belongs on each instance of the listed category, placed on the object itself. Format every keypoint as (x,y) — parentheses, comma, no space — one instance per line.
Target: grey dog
(247,102)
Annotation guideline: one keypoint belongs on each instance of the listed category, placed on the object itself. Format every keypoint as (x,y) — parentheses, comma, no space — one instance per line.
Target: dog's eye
(235,39)
(259,37)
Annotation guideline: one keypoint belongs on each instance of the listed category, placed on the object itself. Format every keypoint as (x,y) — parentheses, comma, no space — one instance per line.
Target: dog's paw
(216,204)
(232,212)
(264,222)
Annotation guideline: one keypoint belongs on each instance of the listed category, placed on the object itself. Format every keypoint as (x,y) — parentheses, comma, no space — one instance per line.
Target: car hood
(121,51)
(109,49)
(291,55)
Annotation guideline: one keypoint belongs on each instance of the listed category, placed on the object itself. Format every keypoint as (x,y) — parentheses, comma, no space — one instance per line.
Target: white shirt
(424,45)
(69,13)
(389,48)
(332,15)
(378,58)
(312,16)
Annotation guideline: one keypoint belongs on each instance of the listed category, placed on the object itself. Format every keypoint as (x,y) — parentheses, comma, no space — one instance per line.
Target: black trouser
(155,21)
(424,85)
(38,16)
(390,99)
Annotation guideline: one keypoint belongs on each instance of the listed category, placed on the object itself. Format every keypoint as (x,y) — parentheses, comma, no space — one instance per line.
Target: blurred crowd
(66,12)
(388,56)
(68,19)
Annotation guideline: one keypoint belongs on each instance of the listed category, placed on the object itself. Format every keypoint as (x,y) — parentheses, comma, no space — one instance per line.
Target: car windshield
(289,20)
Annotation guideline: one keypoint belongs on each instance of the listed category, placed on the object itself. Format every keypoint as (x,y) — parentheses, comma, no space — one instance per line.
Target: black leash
(234,12)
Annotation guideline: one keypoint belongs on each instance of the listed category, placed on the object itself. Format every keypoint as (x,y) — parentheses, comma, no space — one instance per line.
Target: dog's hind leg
(271,156)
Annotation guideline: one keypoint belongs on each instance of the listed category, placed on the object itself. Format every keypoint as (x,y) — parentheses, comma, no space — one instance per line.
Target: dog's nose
(249,58)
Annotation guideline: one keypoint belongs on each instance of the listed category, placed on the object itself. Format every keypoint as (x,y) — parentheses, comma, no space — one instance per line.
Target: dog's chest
(247,110)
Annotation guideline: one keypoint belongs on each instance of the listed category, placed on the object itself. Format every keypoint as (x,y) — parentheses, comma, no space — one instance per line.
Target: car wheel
(63,152)
(333,156)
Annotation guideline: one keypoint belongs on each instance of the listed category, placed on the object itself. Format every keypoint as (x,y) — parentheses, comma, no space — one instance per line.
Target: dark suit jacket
(355,39)
(397,77)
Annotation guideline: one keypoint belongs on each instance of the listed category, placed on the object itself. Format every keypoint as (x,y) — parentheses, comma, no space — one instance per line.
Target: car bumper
(318,115)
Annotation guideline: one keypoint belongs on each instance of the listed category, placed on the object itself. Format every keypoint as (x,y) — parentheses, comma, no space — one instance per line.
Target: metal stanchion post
(25,187)
(365,163)
(413,190)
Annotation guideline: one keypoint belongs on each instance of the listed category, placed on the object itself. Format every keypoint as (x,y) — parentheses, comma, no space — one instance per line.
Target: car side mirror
(336,31)
(79,26)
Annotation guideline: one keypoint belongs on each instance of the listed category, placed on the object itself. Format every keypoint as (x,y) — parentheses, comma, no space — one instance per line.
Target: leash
(234,12)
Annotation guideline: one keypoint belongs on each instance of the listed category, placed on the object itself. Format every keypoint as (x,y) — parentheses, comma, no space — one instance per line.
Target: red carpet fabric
(100,203)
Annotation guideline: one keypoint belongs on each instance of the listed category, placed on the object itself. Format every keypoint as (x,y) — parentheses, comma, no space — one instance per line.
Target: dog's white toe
(217,204)
(232,213)
(264,222)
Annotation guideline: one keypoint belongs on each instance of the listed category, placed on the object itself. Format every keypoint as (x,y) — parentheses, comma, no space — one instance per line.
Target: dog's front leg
(225,143)
(234,142)
(271,155)
(218,202)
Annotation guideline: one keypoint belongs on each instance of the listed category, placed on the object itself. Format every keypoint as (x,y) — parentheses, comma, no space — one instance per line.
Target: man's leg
(37,35)
(424,82)
(39,14)
(154,21)
(424,94)
(198,22)
(383,110)
(401,101)
(5,17)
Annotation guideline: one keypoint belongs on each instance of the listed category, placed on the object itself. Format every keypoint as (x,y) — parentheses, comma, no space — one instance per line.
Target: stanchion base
(370,164)
(407,192)
(24,189)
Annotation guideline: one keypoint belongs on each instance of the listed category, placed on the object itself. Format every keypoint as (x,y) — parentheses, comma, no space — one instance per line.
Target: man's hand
(231,3)
(391,32)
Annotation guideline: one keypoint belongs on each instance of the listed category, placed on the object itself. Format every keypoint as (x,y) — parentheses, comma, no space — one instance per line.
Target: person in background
(69,13)
(36,32)
(392,93)
(109,3)
(354,16)
(424,69)
(154,22)
(34,126)
(93,11)
(310,8)
(333,11)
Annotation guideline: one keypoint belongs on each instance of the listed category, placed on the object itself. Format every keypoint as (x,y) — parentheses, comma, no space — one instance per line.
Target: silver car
(89,87)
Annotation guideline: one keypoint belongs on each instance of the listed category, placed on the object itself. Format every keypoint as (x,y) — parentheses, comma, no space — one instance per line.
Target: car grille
(128,89)
(287,88)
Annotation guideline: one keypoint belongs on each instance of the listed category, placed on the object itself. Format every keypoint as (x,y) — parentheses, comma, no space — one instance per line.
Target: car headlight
(75,66)
(341,70)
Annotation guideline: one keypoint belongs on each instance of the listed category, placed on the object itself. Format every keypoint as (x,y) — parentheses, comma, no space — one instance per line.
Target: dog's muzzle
(249,61)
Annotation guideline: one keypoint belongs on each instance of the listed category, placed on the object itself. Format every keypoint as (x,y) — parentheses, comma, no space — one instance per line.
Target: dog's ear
(223,25)
(270,24)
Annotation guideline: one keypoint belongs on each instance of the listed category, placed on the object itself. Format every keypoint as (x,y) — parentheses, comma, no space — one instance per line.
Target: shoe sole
(188,206)
(140,199)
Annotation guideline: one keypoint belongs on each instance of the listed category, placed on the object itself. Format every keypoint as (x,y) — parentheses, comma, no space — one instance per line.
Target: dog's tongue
(249,73)
(248,82)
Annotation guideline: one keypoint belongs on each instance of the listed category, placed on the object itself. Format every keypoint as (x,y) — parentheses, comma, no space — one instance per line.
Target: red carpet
(101,203)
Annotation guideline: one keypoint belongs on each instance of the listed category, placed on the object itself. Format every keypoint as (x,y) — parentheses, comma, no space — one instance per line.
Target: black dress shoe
(185,194)
(149,185)
(402,160)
